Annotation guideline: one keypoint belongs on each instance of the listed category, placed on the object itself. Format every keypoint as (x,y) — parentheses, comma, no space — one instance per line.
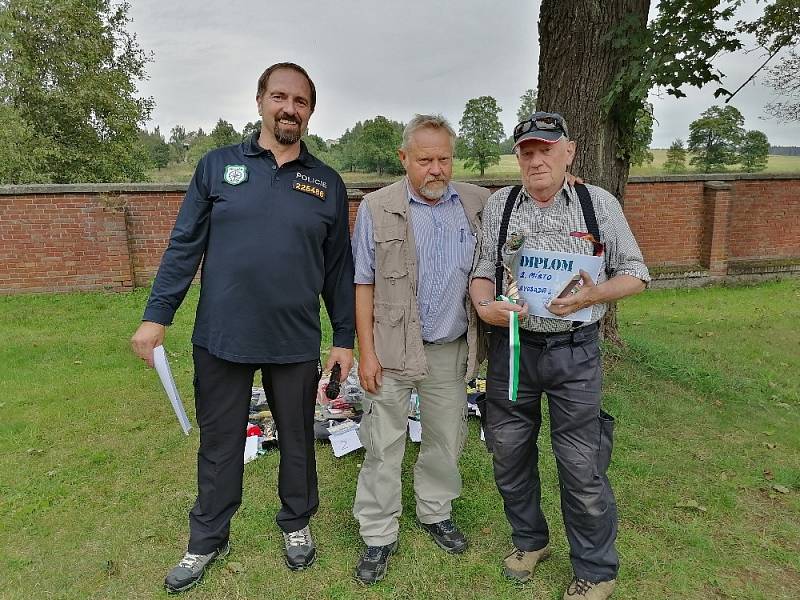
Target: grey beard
(427,192)
(287,138)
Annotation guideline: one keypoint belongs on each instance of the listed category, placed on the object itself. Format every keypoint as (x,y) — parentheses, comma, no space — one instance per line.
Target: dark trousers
(567,368)
(222,400)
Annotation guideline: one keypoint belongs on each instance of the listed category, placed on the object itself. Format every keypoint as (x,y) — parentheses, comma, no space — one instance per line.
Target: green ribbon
(513,351)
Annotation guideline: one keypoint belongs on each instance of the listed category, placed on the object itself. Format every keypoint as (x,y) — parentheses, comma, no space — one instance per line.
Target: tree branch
(756,72)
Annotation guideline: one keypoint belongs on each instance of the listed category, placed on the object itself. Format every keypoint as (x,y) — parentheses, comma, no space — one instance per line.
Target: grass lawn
(507,169)
(96,478)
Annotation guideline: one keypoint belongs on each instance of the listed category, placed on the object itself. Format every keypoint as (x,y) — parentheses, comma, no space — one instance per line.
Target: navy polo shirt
(271,240)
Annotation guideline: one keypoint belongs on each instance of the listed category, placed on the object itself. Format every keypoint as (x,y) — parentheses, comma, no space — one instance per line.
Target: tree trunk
(577,66)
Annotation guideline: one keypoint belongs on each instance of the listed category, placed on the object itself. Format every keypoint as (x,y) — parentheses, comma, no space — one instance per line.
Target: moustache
(285,117)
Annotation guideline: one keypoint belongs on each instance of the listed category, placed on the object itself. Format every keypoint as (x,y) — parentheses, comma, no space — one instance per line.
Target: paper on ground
(251,448)
(414,430)
(344,438)
(164,372)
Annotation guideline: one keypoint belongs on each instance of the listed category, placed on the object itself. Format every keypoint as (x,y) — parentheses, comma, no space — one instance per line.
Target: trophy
(510,254)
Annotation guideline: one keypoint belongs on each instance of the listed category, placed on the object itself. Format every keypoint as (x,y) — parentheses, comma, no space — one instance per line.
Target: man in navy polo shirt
(270,224)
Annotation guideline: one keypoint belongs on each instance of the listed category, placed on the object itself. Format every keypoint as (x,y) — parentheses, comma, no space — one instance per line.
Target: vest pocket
(389,333)
(389,251)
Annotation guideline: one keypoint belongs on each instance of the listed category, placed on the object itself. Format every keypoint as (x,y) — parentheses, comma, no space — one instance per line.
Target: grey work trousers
(437,481)
(567,368)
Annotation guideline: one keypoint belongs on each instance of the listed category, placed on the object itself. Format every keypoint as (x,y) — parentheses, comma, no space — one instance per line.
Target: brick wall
(88,237)
(765,220)
(150,217)
(61,242)
(667,219)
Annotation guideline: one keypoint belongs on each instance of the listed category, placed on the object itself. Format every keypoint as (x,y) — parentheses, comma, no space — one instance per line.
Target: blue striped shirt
(445,246)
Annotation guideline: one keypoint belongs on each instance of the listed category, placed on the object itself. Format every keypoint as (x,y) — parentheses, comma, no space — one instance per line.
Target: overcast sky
(371,58)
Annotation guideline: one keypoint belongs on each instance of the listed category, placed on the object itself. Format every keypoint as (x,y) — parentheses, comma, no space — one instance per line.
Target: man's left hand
(575,302)
(344,356)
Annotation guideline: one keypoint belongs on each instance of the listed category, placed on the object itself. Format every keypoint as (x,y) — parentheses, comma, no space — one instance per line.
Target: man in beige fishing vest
(414,246)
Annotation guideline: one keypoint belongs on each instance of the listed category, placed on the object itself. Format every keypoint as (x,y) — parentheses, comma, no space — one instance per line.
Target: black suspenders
(589,216)
(501,239)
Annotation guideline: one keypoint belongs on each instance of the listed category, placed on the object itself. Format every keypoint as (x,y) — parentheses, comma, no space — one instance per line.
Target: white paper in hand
(540,275)
(165,374)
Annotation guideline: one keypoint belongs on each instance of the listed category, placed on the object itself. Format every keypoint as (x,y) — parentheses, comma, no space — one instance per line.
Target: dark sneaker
(188,572)
(371,567)
(520,564)
(581,589)
(299,549)
(447,536)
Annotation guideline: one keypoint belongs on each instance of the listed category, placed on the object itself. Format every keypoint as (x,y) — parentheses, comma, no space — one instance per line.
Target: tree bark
(577,66)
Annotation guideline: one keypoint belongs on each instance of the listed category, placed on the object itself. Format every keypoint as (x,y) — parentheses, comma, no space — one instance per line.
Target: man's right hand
(370,372)
(148,336)
(498,312)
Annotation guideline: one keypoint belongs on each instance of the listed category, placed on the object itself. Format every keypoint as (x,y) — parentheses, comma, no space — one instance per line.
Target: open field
(507,169)
(96,477)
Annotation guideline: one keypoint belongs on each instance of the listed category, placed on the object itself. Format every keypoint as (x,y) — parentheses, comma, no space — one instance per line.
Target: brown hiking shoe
(580,589)
(520,564)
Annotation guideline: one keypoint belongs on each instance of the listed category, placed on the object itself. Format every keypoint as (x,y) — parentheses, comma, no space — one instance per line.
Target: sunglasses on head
(541,124)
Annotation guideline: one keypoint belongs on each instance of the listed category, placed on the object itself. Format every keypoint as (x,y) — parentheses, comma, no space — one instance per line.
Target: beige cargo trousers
(437,480)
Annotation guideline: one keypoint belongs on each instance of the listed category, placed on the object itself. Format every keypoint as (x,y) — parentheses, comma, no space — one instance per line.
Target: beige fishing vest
(396,329)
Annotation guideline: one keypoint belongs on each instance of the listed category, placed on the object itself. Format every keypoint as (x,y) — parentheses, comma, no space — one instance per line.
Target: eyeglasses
(541,124)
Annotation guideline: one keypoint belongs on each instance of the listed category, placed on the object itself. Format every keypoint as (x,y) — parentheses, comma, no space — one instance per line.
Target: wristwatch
(484,302)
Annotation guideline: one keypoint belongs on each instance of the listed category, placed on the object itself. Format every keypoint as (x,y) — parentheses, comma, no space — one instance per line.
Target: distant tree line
(717,141)
(785,150)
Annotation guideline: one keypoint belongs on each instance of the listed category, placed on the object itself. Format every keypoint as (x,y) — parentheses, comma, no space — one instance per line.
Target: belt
(442,343)
(560,338)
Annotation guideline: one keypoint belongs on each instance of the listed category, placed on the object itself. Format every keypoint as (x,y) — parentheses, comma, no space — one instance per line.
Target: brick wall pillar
(717,199)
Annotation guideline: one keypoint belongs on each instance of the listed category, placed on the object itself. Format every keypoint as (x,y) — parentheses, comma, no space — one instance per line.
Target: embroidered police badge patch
(235,174)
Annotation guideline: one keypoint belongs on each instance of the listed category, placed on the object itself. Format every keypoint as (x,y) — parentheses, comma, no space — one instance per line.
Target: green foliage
(676,49)
(251,128)
(754,151)
(380,139)
(778,27)
(676,158)
(481,132)
(158,150)
(642,137)
(369,146)
(69,71)
(318,147)
(178,143)
(714,138)
(24,157)
(527,105)
(347,150)
(506,146)
(199,145)
(224,134)
(315,144)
